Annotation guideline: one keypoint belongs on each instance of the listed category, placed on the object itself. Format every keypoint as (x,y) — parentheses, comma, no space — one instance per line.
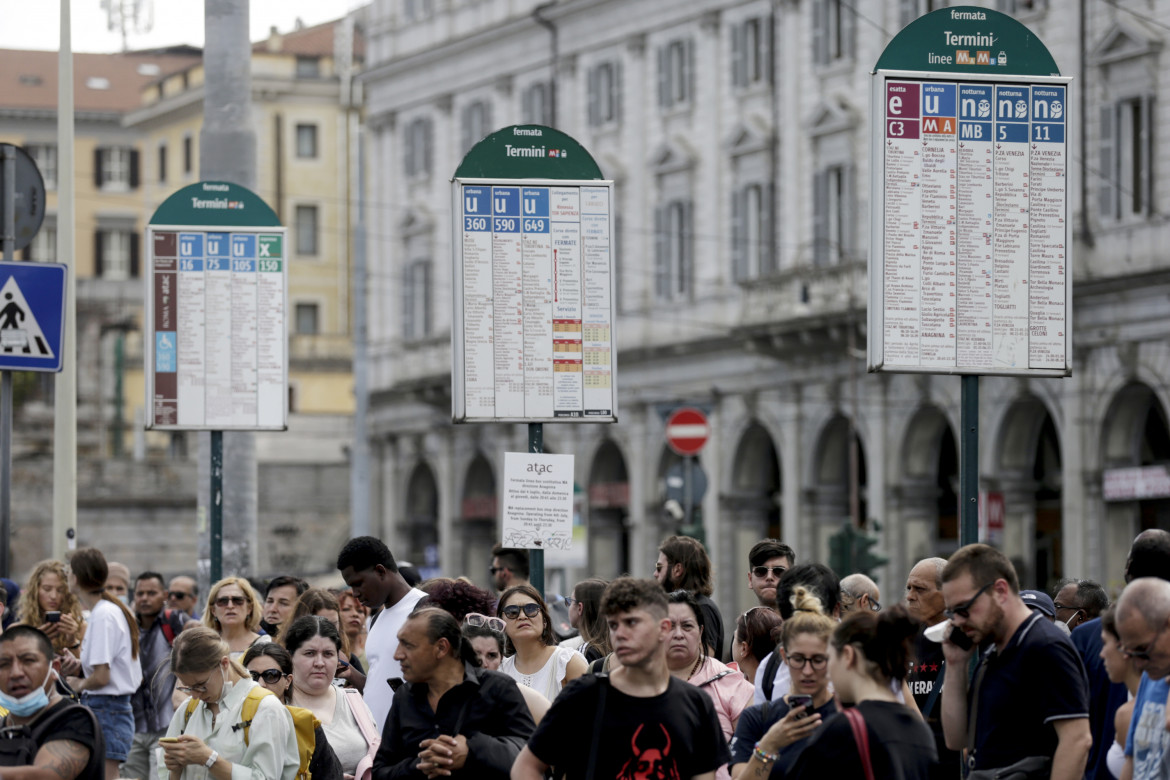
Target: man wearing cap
(1039,601)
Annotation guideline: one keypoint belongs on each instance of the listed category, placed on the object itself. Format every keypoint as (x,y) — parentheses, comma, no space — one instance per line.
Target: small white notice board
(538,501)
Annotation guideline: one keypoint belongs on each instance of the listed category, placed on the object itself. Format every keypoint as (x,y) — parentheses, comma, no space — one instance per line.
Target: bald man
(860,594)
(925,603)
(1143,617)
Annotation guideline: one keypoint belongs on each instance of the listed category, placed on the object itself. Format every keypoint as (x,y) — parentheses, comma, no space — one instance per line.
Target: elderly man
(1029,680)
(183,595)
(451,718)
(1079,601)
(66,741)
(1143,615)
(924,602)
(859,594)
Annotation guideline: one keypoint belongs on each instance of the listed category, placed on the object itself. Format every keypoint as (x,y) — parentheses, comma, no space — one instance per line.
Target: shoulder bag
(861,737)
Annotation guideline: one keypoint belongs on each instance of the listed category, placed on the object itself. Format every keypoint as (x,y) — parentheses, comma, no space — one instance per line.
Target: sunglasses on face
(270,676)
(477,619)
(178,594)
(1141,655)
(570,601)
(964,610)
(762,571)
(496,569)
(512,611)
(223,601)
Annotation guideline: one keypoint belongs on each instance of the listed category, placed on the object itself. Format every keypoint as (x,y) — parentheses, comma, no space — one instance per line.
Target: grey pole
(227,144)
(359,463)
(969,460)
(536,556)
(9,236)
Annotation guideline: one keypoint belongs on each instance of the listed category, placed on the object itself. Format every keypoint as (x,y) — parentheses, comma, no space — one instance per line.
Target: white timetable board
(970,238)
(533,327)
(217,346)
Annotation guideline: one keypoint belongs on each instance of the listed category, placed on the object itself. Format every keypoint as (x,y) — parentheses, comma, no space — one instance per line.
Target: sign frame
(459,353)
(54,322)
(876,314)
(149,326)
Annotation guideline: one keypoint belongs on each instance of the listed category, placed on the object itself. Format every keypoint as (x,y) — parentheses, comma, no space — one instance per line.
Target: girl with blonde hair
(48,591)
(233,611)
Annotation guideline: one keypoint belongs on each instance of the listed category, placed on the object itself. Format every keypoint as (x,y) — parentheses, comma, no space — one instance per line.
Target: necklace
(695,668)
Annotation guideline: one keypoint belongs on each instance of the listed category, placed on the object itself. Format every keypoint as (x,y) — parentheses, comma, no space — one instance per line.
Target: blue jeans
(116,718)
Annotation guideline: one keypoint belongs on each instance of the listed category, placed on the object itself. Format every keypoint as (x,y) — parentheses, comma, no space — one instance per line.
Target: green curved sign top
(528,152)
(215,204)
(966,39)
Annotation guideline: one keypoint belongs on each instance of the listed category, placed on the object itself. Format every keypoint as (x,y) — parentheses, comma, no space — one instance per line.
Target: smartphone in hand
(53,617)
(960,639)
(802,702)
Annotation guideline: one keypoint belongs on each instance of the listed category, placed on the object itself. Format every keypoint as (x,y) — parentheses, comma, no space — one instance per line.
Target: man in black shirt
(451,718)
(683,564)
(45,731)
(924,603)
(637,722)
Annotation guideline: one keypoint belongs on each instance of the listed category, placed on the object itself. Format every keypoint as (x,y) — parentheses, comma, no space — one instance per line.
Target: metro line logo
(963,57)
(944,125)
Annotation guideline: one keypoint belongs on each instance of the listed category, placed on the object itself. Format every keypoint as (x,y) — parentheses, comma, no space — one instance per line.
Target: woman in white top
(209,741)
(538,662)
(315,643)
(233,611)
(109,656)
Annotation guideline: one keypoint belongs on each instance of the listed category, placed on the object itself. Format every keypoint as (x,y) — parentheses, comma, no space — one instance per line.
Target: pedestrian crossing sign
(32,316)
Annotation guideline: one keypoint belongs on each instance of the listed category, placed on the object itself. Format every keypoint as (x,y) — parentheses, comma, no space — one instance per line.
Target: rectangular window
(1127,161)
(416,300)
(162,163)
(417,148)
(833,218)
(306,319)
(43,247)
(308,67)
(674,251)
(45,156)
(116,254)
(306,226)
(535,105)
(188,155)
(604,90)
(675,73)
(751,52)
(1013,7)
(753,250)
(475,123)
(115,168)
(833,26)
(306,141)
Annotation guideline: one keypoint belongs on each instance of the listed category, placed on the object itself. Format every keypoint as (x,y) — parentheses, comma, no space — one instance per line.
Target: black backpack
(769,673)
(19,744)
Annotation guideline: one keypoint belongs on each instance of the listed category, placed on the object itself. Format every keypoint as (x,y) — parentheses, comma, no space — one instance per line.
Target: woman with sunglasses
(539,662)
(592,640)
(869,651)
(753,639)
(208,740)
(271,666)
(233,611)
(782,728)
(486,637)
(315,645)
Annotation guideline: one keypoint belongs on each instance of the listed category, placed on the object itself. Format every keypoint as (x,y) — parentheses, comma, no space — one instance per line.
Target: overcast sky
(35,24)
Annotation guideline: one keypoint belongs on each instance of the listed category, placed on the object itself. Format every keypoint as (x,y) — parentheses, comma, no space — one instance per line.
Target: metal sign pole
(216,507)
(969,460)
(688,492)
(9,238)
(536,556)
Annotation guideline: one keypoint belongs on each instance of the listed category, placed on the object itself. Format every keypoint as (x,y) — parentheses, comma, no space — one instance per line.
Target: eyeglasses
(223,601)
(476,619)
(762,571)
(270,676)
(1070,608)
(875,606)
(193,689)
(570,601)
(495,569)
(964,609)
(178,594)
(1143,655)
(512,611)
(798,661)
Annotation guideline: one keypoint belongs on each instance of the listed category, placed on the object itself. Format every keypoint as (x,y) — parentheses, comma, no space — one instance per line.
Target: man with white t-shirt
(368,568)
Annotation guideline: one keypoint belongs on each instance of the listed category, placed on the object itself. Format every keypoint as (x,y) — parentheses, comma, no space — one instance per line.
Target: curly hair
(254,606)
(459,598)
(31,613)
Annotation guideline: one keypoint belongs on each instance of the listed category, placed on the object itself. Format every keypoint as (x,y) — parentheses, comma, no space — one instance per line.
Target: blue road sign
(32,316)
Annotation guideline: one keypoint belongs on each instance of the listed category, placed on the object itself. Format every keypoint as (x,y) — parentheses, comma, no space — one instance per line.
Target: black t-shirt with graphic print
(673,735)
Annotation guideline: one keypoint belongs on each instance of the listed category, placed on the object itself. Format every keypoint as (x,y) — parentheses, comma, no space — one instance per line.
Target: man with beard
(639,721)
(1029,699)
(924,602)
(767,560)
(683,564)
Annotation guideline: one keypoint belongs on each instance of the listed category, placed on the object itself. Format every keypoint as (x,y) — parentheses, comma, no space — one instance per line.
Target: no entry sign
(687,431)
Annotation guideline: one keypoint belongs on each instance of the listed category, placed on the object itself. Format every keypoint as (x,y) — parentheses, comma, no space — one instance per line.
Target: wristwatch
(212,759)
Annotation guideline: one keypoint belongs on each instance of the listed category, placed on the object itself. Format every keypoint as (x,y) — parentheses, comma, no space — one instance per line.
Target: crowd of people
(104,675)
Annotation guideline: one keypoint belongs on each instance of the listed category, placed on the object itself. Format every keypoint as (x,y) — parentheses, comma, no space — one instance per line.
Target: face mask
(29,704)
(227,686)
(124,598)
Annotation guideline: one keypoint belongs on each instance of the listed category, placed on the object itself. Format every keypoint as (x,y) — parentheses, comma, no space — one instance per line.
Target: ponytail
(884,638)
(91,570)
(131,622)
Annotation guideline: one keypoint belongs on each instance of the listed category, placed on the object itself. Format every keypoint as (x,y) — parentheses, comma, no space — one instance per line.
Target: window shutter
(820,218)
(425,299)
(688,71)
(739,269)
(97,168)
(1108,191)
(663,77)
(847,18)
(687,239)
(133,169)
(848,252)
(661,260)
(594,89)
(769,263)
(617,91)
(98,244)
(739,55)
(26,253)
(135,238)
(768,60)
(820,36)
(1147,155)
(408,295)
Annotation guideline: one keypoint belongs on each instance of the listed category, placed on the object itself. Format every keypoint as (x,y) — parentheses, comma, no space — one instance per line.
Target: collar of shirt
(471,676)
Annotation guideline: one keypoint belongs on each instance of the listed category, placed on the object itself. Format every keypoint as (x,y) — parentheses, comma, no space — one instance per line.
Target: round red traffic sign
(687,431)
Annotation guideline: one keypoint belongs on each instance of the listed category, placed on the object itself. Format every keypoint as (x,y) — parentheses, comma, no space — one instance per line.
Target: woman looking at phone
(539,662)
(210,735)
(314,644)
(271,666)
(771,735)
(867,653)
(47,603)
